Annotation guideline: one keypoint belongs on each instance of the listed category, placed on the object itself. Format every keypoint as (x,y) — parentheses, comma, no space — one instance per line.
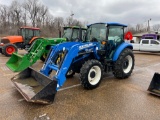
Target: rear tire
(8,49)
(91,74)
(123,67)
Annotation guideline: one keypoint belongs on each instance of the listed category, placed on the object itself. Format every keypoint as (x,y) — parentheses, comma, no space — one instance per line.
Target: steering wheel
(75,39)
(94,39)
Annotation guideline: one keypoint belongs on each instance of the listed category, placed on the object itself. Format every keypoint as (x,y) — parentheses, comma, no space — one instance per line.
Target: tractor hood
(11,39)
(57,40)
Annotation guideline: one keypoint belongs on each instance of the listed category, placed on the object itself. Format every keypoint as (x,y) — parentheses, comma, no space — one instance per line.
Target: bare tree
(41,15)
(58,25)
(16,13)
(77,22)
(131,29)
(49,28)
(34,13)
(4,18)
(156,27)
(24,15)
(59,22)
(32,7)
(71,22)
(138,27)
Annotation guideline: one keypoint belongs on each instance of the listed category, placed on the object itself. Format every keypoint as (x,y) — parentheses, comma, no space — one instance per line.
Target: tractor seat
(110,48)
(111,44)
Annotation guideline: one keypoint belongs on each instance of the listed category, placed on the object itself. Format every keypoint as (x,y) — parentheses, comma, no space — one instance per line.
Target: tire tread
(84,73)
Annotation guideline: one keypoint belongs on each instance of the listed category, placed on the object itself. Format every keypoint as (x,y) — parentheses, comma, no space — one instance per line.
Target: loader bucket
(154,86)
(17,62)
(35,87)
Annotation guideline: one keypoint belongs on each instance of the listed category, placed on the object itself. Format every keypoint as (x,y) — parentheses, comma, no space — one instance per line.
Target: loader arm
(18,62)
(71,52)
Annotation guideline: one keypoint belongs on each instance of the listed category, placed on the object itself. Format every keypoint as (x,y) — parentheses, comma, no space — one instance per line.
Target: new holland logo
(85,46)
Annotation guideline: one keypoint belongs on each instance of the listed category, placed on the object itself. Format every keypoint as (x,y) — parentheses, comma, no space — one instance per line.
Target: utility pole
(71,18)
(148,25)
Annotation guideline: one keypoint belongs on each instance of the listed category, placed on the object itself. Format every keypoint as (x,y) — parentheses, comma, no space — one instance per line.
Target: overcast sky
(123,11)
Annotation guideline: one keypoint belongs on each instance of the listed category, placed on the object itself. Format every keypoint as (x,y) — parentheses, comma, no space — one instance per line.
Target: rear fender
(32,40)
(120,49)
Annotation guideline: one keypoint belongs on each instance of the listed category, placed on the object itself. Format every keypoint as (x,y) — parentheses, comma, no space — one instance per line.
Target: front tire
(70,74)
(43,58)
(8,49)
(91,74)
(123,67)
(1,50)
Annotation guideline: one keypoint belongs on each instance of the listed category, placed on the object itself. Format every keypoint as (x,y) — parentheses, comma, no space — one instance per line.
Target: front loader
(40,49)
(154,87)
(103,50)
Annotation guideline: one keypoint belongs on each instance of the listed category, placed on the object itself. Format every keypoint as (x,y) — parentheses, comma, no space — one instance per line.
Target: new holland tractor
(26,36)
(103,50)
(40,48)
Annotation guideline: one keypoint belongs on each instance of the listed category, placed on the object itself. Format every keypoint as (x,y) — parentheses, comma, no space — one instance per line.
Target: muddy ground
(114,99)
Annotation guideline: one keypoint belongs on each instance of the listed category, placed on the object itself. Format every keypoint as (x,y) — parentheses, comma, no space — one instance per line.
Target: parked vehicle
(103,50)
(26,36)
(41,47)
(147,45)
(151,36)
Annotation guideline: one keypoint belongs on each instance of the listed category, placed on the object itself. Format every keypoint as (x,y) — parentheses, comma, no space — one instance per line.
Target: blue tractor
(103,50)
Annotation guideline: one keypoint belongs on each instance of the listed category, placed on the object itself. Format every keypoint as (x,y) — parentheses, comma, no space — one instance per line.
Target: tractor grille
(5,41)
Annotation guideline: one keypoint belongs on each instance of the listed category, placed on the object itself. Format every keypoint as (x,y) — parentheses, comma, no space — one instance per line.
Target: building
(146,35)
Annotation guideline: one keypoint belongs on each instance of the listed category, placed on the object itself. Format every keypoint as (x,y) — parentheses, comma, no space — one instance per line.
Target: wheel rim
(127,64)
(10,49)
(94,75)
